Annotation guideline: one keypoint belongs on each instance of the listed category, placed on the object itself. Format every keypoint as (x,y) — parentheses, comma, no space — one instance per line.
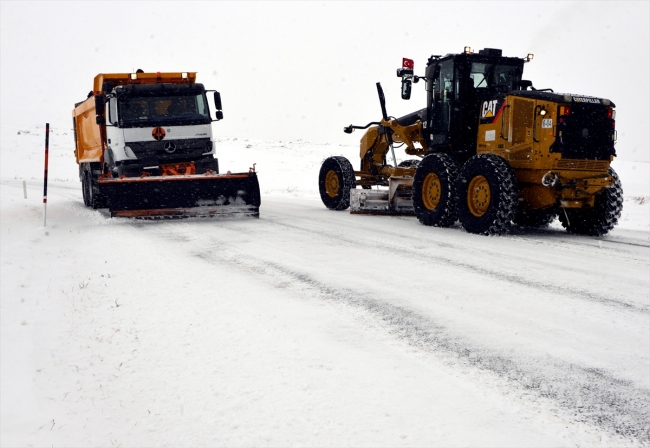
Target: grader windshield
(501,76)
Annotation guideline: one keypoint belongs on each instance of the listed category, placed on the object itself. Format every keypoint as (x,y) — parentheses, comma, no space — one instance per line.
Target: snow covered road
(313,327)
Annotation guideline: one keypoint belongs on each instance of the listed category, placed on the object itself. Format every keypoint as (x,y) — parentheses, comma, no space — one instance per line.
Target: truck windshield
(163,110)
(492,75)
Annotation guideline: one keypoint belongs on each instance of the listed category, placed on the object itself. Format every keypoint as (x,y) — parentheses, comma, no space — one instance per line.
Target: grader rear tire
(434,190)
(335,180)
(599,219)
(486,195)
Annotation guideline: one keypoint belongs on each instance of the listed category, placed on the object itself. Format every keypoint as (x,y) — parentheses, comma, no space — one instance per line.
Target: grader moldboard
(492,150)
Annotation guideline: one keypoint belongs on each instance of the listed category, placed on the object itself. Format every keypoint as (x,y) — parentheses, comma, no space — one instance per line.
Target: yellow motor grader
(491,150)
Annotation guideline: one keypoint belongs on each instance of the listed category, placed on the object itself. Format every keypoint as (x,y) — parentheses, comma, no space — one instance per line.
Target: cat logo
(489,109)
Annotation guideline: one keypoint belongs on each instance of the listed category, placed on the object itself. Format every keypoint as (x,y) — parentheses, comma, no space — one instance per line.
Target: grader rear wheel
(599,219)
(478,196)
(486,195)
(335,180)
(433,190)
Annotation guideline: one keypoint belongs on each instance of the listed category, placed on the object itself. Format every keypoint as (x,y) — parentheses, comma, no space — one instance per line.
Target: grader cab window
(498,76)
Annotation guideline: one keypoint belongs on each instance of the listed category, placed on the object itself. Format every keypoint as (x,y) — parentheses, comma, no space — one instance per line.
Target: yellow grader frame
(490,151)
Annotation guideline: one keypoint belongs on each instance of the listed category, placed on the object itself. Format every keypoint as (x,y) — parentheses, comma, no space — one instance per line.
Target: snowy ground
(311,327)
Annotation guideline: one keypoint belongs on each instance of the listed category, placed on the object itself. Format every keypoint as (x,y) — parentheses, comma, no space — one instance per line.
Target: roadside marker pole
(47,144)
(25,189)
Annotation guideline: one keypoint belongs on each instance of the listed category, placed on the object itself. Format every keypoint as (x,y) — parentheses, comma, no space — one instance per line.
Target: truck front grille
(172,150)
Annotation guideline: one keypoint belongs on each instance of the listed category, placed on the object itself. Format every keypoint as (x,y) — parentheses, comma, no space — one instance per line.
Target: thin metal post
(47,146)
(25,189)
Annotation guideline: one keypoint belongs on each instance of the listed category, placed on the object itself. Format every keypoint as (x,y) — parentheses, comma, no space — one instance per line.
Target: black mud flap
(183,196)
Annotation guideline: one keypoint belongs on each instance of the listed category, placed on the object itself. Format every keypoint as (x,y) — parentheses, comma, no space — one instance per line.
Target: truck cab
(155,124)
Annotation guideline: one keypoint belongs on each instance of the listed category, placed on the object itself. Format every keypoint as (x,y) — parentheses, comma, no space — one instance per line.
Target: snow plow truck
(491,150)
(143,142)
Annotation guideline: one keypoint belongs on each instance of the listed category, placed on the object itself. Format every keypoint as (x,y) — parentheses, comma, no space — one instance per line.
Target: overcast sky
(303,70)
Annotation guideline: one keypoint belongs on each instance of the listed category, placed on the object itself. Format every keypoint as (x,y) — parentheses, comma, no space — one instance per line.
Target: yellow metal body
(517,135)
(374,147)
(90,136)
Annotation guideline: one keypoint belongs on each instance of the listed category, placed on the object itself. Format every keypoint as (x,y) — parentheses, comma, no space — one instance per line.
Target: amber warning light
(407,63)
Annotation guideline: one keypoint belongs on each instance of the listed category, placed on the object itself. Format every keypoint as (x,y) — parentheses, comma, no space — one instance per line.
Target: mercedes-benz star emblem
(170,147)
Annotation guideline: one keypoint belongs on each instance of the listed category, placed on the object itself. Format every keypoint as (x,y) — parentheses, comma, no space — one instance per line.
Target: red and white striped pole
(47,145)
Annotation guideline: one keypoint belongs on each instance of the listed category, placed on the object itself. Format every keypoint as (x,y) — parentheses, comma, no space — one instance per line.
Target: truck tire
(335,180)
(486,195)
(85,185)
(434,190)
(93,200)
(599,219)
(535,218)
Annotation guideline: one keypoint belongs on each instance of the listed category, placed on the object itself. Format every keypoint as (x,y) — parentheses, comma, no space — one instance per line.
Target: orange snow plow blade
(178,196)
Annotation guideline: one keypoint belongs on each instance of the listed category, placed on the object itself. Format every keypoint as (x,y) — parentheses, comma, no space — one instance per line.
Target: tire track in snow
(590,395)
(393,249)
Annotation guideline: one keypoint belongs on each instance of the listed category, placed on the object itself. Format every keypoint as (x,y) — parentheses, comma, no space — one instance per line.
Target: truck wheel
(335,181)
(84,189)
(434,190)
(486,195)
(93,200)
(535,218)
(599,219)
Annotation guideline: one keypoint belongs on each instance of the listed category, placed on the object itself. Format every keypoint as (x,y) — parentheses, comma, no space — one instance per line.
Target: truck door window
(112,111)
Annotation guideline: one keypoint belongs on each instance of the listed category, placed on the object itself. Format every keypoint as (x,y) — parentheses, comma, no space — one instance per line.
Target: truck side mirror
(100,120)
(99,104)
(219,115)
(217,100)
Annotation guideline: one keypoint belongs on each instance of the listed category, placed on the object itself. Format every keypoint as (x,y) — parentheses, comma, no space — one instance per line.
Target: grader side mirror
(406,88)
(406,73)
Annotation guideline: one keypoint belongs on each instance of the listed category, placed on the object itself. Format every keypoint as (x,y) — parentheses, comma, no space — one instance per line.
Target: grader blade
(396,200)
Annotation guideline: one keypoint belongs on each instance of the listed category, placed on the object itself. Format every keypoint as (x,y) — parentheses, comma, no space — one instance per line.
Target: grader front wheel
(332,183)
(335,180)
